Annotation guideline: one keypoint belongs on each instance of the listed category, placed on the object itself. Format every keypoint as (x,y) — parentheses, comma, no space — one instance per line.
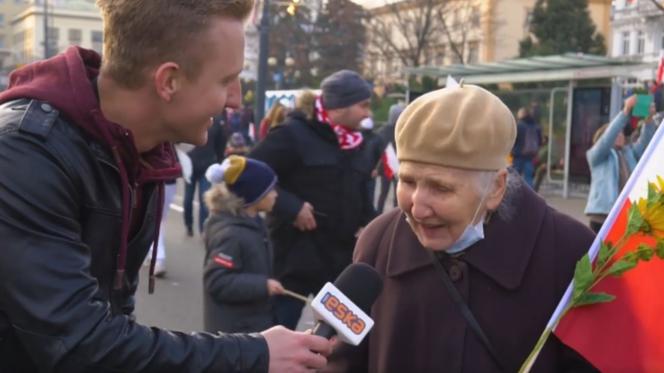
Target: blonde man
(85,150)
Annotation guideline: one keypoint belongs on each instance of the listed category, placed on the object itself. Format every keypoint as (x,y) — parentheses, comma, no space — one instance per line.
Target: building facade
(486,31)
(68,22)
(638,30)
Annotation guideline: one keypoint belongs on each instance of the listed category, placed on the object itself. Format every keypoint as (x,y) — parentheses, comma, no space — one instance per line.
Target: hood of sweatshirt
(67,81)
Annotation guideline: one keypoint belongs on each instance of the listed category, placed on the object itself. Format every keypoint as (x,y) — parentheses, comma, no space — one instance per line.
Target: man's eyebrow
(232,77)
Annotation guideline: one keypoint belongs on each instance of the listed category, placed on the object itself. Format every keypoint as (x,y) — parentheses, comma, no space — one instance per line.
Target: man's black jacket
(312,168)
(60,222)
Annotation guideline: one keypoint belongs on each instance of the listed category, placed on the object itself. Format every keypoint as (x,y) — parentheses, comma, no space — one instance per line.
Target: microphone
(342,308)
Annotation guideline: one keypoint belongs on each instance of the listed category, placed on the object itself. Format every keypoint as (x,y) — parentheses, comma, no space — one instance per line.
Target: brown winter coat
(512,281)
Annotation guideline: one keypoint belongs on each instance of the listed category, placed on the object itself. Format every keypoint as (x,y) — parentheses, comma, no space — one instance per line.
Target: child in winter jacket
(238,265)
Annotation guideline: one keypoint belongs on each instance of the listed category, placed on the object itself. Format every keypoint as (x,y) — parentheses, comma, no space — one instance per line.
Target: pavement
(177,303)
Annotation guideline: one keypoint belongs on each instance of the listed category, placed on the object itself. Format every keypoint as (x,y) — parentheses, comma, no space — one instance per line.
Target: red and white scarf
(348,139)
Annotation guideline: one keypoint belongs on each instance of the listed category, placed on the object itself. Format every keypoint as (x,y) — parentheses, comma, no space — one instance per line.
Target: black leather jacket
(60,221)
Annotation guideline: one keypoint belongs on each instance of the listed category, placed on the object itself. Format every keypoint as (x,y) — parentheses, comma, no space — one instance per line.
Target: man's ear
(167,80)
(498,190)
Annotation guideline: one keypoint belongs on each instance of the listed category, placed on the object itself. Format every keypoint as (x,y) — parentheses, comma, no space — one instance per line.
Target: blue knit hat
(247,178)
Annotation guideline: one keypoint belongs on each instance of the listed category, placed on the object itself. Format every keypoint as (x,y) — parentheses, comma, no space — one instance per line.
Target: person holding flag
(474,260)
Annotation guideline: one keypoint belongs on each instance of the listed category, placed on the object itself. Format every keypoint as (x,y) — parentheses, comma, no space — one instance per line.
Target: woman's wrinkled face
(438,201)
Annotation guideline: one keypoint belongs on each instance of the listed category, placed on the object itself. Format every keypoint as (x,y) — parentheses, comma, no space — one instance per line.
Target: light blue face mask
(472,233)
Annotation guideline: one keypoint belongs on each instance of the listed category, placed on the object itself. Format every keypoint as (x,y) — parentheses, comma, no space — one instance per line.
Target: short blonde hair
(140,34)
(219,199)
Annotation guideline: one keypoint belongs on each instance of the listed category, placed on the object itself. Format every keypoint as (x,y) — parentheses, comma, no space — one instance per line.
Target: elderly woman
(474,262)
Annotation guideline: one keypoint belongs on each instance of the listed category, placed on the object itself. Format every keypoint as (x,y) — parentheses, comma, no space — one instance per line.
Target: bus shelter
(575,110)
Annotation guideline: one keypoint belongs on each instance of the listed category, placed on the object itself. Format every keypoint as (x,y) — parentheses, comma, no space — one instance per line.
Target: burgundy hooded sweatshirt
(66,81)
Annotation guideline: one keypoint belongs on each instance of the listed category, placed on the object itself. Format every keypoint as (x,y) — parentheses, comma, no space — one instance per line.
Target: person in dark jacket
(526,146)
(386,177)
(466,228)
(238,279)
(323,203)
(84,150)
(374,147)
(202,157)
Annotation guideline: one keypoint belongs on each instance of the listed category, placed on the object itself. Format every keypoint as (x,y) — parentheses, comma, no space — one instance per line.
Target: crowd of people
(284,206)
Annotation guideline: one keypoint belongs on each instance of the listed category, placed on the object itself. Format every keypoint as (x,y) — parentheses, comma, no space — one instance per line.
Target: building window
(625,43)
(640,42)
(475,17)
(75,36)
(97,40)
(53,38)
(2,19)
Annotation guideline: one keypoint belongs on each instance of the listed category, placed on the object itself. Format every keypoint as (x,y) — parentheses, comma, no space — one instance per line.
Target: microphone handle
(323,329)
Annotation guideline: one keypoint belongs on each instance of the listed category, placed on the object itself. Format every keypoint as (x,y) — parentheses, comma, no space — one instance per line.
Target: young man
(323,201)
(84,148)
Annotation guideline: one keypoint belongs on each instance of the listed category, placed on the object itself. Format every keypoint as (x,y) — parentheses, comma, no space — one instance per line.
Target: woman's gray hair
(219,199)
(507,207)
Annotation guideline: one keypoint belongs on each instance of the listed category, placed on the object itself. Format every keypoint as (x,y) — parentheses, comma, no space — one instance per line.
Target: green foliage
(606,251)
(594,298)
(635,221)
(583,277)
(561,26)
(339,37)
(621,266)
(659,249)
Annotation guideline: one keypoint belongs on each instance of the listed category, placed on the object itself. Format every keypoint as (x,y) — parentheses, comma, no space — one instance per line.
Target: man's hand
(274,287)
(630,102)
(295,351)
(305,220)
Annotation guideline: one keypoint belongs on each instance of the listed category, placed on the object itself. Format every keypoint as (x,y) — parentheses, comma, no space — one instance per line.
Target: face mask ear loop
(485,193)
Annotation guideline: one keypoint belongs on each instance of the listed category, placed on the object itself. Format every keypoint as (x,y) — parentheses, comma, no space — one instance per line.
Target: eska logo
(343,313)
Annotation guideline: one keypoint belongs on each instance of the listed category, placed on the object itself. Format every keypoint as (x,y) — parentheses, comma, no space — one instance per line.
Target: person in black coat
(201,158)
(238,265)
(374,147)
(323,203)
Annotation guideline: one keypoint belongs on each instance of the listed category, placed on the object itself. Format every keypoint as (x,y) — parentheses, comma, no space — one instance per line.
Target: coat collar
(503,255)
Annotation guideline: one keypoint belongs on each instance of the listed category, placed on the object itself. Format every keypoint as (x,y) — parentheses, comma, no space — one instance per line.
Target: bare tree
(413,29)
(458,19)
(404,29)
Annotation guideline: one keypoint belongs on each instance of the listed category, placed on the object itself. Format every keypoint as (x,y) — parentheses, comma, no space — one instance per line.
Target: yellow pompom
(236,165)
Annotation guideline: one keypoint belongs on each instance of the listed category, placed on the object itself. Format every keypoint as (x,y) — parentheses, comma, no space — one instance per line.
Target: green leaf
(659,249)
(653,195)
(594,298)
(621,266)
(644,252)
(606,252)
(635,220)
(583,276)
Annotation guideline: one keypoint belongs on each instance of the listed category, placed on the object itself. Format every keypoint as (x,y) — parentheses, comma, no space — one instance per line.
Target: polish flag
(390,162)
(626,334)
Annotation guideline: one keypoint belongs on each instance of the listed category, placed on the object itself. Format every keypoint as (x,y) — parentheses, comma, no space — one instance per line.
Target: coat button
(455,273)
(46,108)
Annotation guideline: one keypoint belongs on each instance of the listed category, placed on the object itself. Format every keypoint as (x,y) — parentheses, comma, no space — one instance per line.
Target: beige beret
(465,127)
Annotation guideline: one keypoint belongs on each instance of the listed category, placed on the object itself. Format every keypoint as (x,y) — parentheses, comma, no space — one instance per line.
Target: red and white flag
(390,162)
(626,334)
